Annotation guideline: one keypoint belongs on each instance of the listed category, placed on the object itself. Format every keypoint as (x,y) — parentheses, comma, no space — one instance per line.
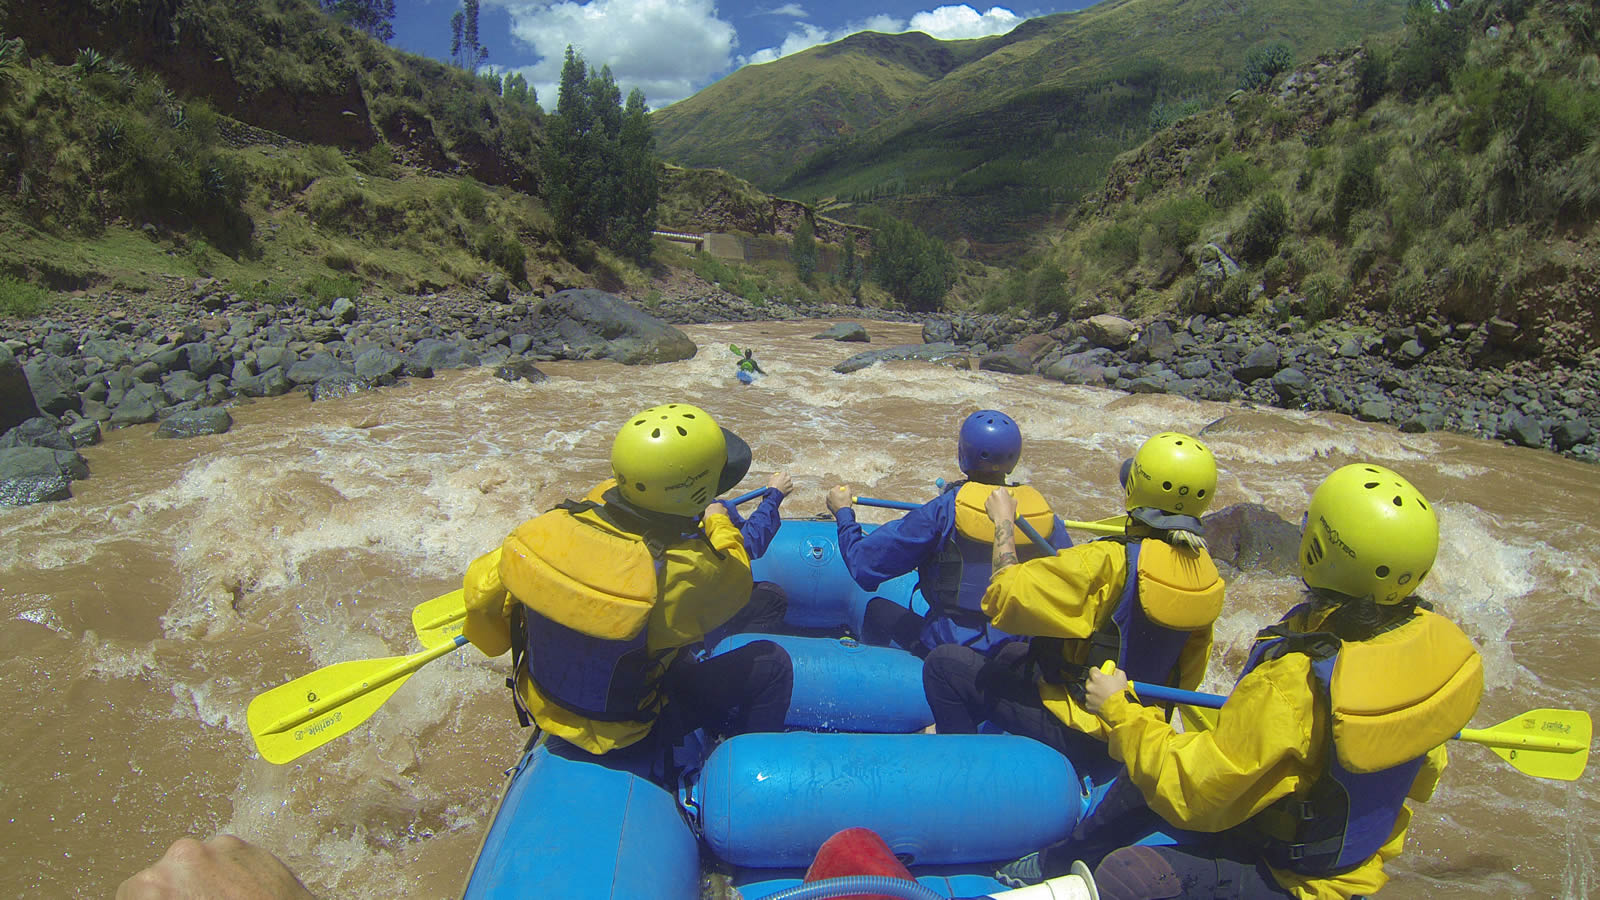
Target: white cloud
(947,23)
(667,48)
(788,9)
(953,23)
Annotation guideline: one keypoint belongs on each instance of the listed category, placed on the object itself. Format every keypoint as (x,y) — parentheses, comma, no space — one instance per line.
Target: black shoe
(1021,873)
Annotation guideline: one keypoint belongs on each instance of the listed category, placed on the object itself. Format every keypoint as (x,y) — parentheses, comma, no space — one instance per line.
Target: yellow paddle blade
(1113,525)
(1544,743)
(293,719)
(438,621)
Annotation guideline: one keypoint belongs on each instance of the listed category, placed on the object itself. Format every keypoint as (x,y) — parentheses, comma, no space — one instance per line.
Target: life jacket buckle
(1308,811)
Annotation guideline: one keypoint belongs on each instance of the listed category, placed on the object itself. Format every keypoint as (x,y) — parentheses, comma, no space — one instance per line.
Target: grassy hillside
(1002,131)
(1454,167)
(118,180)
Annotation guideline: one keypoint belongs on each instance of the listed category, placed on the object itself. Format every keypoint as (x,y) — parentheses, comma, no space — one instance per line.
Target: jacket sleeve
(759,529)
(488,622)
(1057,596)
(897,547)
(1261,749)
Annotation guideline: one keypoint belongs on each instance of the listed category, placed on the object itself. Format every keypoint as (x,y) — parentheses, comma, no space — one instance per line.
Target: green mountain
(983,139)
(1452,168)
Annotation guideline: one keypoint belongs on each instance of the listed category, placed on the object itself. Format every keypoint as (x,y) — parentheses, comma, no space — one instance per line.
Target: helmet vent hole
(1382,572)
(640,422)
(688,415)
(638,486)
(1399,502)
(1177,443)
(1200,493)
(682,432)
(1422,503)
(1166,485)
(1370,485)
(656,433)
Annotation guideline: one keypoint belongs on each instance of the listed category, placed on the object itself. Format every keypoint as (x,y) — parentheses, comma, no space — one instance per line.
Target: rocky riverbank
(1424,376)
(96,365)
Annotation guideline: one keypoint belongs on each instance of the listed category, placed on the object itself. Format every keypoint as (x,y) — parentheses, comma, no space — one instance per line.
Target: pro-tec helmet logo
(1333,537)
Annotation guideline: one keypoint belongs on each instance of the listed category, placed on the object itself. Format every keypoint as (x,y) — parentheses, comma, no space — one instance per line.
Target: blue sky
(672,48)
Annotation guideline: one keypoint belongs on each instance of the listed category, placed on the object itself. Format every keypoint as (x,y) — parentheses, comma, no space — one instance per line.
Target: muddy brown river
(185,577)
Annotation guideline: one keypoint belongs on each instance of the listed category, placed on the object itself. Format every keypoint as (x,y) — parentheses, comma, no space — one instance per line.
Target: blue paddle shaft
(746,498)
(1032,533)
(1178,695)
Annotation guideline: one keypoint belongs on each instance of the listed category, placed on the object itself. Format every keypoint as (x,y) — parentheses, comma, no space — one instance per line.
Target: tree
(465,51)
(372,16)
(640,188)
(803,249)
(599,162)
(911,265)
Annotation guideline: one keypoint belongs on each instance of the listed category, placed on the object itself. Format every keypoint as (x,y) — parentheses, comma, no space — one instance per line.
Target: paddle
(1113,525)
(293,719)
(1544,743)
(436,621)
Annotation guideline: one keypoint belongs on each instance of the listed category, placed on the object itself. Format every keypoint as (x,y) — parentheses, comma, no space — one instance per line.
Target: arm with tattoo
(1005,545)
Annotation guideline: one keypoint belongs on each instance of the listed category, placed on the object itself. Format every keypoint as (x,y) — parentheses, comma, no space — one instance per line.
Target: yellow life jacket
(1393,698)
(605,605)
(953,582)
(1170,592)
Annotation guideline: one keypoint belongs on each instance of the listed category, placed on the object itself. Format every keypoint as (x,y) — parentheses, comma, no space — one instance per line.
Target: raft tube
(841,684)
(804,558)
(770,800)
(572,825)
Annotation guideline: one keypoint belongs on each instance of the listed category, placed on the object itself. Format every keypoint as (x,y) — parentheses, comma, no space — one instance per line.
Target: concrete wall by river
(183,578)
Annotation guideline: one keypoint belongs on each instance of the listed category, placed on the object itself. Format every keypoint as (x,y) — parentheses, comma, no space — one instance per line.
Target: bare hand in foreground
(1100,686)
(781,482)
(223,868)
(839,498)
(1001,506)
(715,509)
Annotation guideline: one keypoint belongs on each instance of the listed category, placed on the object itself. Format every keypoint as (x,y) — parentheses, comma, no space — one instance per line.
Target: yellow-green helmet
(1368,533)
(1172,472)
(669,459)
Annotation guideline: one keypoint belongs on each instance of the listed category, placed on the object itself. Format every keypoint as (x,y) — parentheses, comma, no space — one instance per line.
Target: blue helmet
(990,444)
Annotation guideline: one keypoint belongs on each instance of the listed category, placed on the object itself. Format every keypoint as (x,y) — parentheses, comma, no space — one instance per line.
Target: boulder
(927,352)
(379,365)
(938,331)
(37,432)
(851,332)
(1374,409)
(1252,537)
(1106,330)
(521,370)
(344,311)
(1524,430)
(1258,363)
(1154,343)
(340,384)
(195,422)
(1571,433)
(431,354)
(31,475)
(52,381)
(16,398)
(630,335)
(1088,367)
(273,382)
(315,368)
(1008,359)
(1291,386)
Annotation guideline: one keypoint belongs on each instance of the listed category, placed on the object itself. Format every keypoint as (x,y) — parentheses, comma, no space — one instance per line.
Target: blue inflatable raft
(750,813)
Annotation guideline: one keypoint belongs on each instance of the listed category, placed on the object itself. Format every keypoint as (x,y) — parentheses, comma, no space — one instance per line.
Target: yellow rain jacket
(1412,687)
(1074,593)
(700,587)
